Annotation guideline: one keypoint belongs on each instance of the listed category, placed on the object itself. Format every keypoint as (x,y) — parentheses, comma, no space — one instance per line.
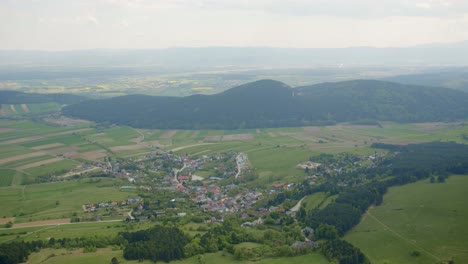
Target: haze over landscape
(221,131)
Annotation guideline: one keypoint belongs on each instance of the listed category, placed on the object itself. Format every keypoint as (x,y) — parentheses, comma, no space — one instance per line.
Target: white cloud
(279,23)
(86,19)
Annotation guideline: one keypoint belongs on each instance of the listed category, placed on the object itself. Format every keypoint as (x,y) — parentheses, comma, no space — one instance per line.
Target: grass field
(69,230)
(6,177)
(39,201)
(63,165)
(314,200)
(52,256)
(424,217)
(28,109)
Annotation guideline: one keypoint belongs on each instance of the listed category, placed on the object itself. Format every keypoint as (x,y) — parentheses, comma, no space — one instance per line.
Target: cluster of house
(213,198)
(348,163)
(92,207)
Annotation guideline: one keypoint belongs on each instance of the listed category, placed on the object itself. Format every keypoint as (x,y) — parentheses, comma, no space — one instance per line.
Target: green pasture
(58,256)
(429,218)
(66,140)
(52,167)
(312,201)
(328,200)
(70,230)
(119,136)
(56,200)
(6,177)
(43,108)
(152,134)
(52,256)
(26,128)
(12,150)
(15,164)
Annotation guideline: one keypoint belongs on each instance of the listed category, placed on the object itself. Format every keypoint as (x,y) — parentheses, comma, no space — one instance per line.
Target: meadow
(51,256)
(423,217)
(57,200)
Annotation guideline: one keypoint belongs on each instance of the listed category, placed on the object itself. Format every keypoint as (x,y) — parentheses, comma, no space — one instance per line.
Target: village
(217,192)
(209,185)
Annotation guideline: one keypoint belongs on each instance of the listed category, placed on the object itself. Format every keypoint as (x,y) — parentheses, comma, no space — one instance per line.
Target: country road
(297,206)
(176,171)
(238,167)
(75,223)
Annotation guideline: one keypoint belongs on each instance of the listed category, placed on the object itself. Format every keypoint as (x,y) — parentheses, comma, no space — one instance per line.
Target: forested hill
(16,97)
(268,103)
(380,100)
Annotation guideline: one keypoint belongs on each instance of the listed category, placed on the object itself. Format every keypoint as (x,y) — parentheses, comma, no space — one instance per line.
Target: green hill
(16,97)
(268,103)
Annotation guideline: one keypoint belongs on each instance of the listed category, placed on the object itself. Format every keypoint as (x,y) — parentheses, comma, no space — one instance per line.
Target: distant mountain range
(449,78)
(455,54)
(269,103)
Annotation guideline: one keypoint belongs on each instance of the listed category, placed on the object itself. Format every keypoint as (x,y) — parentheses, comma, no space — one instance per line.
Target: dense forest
(269,103)
(16,97)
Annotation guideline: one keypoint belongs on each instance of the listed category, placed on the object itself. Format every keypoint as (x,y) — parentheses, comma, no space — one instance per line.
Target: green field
(39,201)
(387,235)
(426,217)
(16,109)
(6,177)
(58,166)
(51,256)
(312,201)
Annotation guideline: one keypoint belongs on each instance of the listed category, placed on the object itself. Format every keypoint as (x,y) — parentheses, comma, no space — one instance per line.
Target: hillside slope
(268,103)
(16,97)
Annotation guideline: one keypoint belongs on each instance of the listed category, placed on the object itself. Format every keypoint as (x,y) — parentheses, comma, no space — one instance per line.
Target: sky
(152,24)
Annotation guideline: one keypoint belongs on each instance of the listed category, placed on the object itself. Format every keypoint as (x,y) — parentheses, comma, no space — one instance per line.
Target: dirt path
(21,157)
(69,174)
(13,109)
(168,134)
(39,163)
(52,225)
(238,166)
(201,152)
(189,146)
(130,215)
(21,140)
(48,146)
(6,220)
(27,234)
(298,205)
(25,108)
(42,223)
(402,237)
(141,138)
(176,171)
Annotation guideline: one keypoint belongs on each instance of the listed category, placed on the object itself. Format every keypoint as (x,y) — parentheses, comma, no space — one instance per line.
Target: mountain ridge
(269,103)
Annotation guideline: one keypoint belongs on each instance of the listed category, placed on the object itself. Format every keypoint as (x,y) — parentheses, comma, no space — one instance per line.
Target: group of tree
(268,103)
(411,163)
(17,97)
(158,243)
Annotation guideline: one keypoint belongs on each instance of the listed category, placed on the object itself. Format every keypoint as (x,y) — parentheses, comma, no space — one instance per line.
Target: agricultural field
(423,217)
(27,109)
(31,149)
(58,200)
(51,256)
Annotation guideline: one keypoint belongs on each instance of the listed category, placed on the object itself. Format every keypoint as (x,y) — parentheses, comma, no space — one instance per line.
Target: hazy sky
(85,24)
